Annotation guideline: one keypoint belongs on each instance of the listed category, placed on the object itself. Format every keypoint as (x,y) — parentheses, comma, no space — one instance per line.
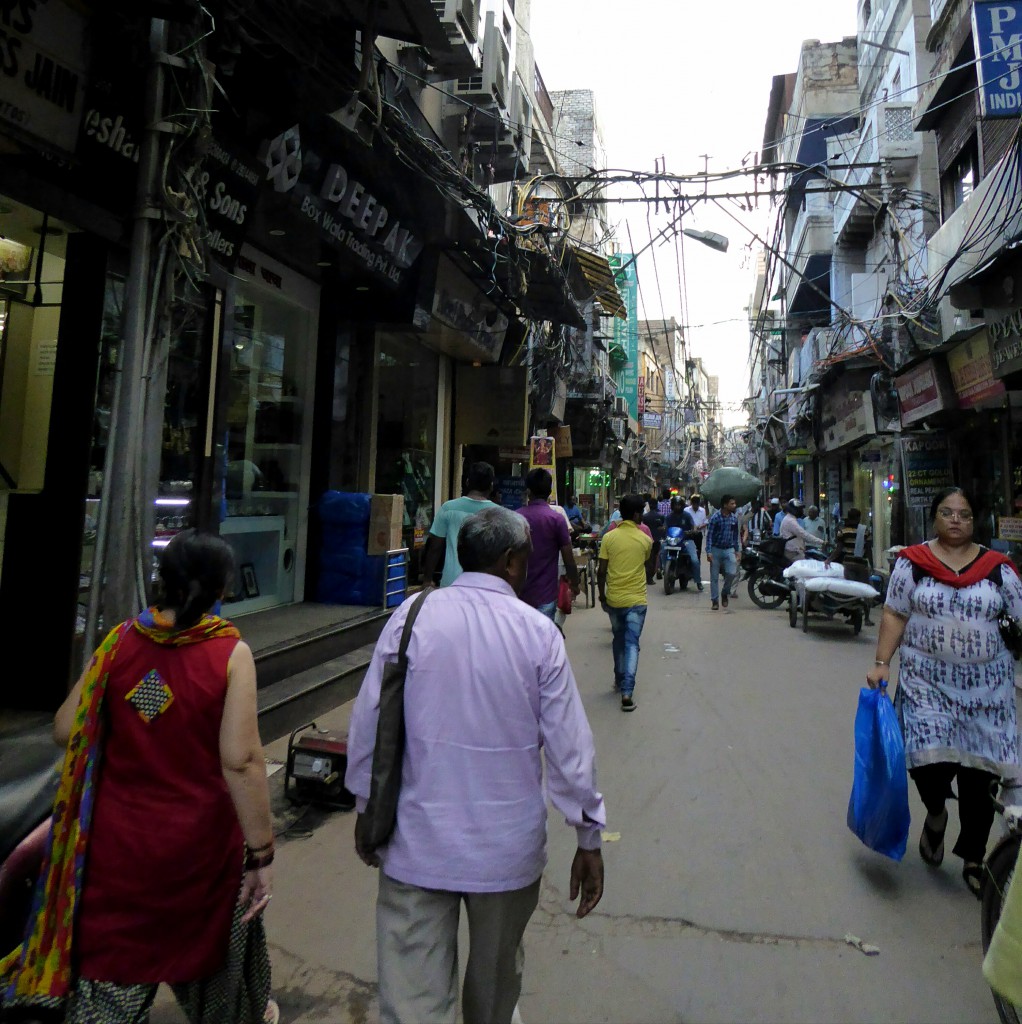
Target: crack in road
(550,916)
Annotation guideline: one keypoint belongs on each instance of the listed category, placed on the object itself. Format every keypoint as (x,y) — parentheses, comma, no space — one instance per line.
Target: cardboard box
(386,518)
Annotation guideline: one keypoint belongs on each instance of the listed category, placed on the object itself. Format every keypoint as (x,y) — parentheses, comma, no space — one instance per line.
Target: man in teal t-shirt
(447,524)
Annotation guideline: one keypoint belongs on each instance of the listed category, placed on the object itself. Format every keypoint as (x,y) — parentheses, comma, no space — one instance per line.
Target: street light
(710,238)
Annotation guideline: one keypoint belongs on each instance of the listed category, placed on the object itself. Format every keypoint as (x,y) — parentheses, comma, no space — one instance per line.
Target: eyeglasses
(954,514)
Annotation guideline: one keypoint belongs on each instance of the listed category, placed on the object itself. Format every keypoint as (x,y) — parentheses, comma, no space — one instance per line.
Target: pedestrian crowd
(451,759)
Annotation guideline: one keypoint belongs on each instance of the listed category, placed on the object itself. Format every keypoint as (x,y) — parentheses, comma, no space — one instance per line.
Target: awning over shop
(600,277)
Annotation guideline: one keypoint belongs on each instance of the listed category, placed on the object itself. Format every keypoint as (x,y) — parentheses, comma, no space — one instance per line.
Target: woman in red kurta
(181,794)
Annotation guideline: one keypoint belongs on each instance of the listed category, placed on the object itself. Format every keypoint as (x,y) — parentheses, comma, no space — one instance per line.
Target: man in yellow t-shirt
(625,558)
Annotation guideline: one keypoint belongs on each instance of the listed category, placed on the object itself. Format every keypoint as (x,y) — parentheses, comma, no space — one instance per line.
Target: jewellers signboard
(972,373)
(926,468)
(997,33)
(42,71)
(345,209)
(1005,333)
(652,420)
(923,391)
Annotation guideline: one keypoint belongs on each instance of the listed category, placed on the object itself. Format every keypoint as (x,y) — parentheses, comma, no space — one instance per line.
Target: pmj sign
(997,31)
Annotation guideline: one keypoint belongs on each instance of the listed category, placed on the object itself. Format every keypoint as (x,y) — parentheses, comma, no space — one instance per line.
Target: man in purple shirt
(551,539)
(489,700)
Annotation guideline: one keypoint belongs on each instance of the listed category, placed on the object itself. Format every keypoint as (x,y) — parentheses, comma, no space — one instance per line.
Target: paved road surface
(734,880)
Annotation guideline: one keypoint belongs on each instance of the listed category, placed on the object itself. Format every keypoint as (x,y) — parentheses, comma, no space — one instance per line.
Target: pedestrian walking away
(723,550)
(443,534)
(162,793)
(956,692)
(489,700)
(626,556)
(551,540)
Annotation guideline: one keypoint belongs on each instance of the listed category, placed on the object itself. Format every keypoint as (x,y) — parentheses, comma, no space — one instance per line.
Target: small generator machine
(316,762)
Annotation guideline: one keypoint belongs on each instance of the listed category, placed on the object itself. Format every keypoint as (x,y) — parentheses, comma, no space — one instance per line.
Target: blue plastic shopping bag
(878,807)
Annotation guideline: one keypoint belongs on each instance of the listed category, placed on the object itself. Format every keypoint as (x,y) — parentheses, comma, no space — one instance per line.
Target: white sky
(680,78)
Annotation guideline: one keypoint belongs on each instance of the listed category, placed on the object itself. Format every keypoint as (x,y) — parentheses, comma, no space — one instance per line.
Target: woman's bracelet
(253,863)
(259,849)
(877,661)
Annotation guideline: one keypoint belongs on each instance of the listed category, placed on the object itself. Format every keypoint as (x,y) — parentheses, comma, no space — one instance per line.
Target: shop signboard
(847,417)
(309,163)
(652,420)
(926,467)
(669,386)
(924,390)
(562,439)
(641,387)
(492,406)
(511,490)
(626,332)
(42,72)
(972,372)
(797,457)
(1009,528)
(513,454)
(1005,333)
(227,186)
(997,33)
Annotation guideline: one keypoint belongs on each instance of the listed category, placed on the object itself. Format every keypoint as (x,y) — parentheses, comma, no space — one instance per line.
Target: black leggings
(975,808)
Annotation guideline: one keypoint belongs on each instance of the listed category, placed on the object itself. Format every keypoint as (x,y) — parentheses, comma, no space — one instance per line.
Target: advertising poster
(926,464)
(626,332)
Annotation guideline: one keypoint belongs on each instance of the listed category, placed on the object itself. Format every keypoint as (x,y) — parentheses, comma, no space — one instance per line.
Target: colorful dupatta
(38,973)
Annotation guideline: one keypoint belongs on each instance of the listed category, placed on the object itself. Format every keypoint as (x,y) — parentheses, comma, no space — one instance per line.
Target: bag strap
(406,632)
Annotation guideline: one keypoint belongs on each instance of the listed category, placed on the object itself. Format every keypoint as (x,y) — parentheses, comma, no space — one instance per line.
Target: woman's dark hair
(946,493)
(195,569)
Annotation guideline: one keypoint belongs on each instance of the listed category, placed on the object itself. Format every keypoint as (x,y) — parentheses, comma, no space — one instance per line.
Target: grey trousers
(417,953)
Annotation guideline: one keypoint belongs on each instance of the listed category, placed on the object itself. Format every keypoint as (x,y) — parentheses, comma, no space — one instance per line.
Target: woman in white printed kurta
(956,696)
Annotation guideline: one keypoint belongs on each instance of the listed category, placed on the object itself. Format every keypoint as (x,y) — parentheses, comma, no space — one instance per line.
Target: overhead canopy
(600,277)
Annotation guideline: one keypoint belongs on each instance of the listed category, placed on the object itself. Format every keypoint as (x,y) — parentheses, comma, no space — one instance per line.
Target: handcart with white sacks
(818,589)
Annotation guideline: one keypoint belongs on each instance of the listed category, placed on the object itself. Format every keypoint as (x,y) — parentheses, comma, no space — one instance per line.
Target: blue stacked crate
(347,574)
(395,580)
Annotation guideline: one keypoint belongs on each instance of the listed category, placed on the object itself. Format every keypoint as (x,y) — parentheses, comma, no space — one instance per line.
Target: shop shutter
(996,134)
(954,130)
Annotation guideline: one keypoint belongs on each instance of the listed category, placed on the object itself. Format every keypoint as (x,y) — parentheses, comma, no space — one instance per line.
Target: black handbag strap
(406,632)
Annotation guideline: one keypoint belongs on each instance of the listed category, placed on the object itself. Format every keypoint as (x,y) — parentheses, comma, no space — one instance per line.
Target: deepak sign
(972,371)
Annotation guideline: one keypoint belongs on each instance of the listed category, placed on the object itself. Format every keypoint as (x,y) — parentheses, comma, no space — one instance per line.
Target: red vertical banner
(642,397)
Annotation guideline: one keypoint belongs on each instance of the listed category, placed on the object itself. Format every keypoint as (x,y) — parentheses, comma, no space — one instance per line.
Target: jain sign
(997,31)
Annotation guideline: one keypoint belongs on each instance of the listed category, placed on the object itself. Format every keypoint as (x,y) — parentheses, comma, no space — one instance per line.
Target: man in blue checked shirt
(723,546)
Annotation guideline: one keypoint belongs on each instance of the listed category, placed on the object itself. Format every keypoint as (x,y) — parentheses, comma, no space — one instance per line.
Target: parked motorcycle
(765,564)
(29,774)
(677,566)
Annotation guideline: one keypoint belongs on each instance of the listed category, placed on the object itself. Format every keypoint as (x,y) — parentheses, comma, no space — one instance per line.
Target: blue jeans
(626,624)
(693,557)
(724,561)
(547,609)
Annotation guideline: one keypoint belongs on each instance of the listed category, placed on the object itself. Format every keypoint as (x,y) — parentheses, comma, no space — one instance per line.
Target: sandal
(973,875)
(272,1014)
(931,842)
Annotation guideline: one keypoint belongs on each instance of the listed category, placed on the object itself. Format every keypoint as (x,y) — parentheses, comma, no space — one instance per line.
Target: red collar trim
(922,556)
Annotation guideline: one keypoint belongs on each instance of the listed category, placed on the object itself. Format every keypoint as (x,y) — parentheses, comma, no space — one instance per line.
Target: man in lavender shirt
(489,699)
(551,539)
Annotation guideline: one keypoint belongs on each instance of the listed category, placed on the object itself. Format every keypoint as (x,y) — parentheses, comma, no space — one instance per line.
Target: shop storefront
(407,401)
(265,429)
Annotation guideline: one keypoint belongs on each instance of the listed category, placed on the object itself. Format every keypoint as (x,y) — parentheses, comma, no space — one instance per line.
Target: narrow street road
(732,879)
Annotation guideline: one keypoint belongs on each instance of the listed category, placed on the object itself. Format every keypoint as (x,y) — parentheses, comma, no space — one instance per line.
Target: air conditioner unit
(460,21)
(620,406)
(489,86)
